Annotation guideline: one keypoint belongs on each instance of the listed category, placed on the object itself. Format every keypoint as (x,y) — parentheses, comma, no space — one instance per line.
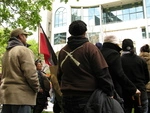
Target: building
(123,18)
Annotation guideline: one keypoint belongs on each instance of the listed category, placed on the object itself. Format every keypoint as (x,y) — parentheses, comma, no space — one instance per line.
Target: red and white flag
(46,49)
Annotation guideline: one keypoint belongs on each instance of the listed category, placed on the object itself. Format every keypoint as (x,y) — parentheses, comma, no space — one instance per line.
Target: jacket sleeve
(145,67)
(29,69)
(121,76)
(100,68)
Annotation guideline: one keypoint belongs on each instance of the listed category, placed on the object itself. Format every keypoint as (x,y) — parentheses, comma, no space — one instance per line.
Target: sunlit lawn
(47,112)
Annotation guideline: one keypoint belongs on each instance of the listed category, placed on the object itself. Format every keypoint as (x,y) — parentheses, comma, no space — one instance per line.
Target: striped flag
(46,49)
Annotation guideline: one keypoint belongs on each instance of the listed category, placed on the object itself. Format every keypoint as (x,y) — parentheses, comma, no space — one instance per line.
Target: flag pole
(38,40)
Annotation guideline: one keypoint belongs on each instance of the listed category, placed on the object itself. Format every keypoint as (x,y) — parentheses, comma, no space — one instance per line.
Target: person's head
(20,34)
(38,64)
(99,45)
(127,45)
(77,28)
(145,48)
(111,39)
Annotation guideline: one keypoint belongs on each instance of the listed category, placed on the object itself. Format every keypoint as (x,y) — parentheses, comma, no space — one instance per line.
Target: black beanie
(77,28)
(127,45)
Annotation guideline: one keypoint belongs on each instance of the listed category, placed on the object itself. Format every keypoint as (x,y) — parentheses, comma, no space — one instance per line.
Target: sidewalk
(49,107)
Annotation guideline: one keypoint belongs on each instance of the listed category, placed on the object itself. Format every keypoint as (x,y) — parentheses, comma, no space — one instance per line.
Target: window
(60,38)
(148,12)
(143,32)
(75,14)
(123,13)
(60,17)
(90,15)
(149,31)
(93,37)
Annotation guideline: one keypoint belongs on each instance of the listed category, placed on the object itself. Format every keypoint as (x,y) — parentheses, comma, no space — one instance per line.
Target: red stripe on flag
(46,49)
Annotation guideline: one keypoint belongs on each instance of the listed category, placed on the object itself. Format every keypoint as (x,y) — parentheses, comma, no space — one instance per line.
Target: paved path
(49,107)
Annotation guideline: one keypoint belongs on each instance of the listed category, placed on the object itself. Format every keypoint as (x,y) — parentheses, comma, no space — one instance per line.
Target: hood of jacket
(145,55)
(76,41)
(12,42)
(111,46)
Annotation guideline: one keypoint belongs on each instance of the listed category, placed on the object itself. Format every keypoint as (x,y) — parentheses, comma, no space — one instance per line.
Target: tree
(22,13)
(34,47)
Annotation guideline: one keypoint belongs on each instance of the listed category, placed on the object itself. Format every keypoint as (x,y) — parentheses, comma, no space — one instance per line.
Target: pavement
(49,107)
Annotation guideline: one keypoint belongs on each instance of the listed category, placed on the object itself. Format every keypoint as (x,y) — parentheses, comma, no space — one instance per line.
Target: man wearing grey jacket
(19,81)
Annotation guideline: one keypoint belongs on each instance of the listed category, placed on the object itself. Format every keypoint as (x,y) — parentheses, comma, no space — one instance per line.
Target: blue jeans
(74,104)
(16,109)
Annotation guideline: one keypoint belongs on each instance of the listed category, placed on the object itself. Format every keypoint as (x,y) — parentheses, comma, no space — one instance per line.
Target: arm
(100,68)
(29,70)
(119,74)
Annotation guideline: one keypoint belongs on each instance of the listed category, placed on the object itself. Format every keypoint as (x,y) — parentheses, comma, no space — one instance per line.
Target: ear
(19,36)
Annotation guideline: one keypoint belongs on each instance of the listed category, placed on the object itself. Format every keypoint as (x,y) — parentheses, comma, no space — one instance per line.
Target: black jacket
(99,102)
(137,71)
(111,53)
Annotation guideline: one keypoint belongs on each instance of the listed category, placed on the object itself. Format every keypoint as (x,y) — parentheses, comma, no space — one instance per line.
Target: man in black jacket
(137,71)
(111,53)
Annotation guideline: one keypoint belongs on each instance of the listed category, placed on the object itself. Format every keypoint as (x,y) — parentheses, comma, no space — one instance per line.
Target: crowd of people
(100,78)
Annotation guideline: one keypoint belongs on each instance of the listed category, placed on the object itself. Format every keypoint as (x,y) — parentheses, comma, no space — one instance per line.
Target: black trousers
(41,103)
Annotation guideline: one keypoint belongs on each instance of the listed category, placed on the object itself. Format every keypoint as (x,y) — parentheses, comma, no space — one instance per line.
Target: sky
(43,23)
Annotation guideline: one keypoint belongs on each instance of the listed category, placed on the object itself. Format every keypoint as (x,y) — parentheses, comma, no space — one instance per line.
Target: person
(41,100)
(99,45)
(19,81)
(111,53)
(136,70)
(144,53)
(81,70)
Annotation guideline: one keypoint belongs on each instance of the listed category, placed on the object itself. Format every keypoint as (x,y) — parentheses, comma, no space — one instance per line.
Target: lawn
(47,112)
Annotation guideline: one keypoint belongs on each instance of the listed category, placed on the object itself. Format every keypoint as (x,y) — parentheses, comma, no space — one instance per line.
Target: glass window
(149,31)
(113,12)
(148,12)
(140,8)
(119,12)
(91,15)
(119,18)
(125,11)
(60,17)
(132,10)
(60,38)
(143,33)
(147,2)
(93,37)
(75,14)
(133,16)
(140,15)
(126,17)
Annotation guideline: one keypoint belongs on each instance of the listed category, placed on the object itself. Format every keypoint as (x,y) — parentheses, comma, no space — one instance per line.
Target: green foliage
(65,1)
(22,13)
(4,36)
(34,47)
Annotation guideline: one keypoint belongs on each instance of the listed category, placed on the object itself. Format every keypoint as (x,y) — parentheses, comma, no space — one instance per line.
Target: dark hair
(38,61)
(77,28)
(145,48)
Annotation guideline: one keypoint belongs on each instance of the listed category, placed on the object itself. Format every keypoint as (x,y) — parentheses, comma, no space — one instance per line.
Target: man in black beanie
(81,70)
(137,71)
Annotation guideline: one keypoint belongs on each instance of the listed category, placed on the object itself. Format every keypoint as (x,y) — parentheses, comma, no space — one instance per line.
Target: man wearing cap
(19,82)
(137,71)
(81,70)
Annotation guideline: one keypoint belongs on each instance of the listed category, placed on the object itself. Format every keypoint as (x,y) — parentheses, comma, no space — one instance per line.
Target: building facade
(122,18)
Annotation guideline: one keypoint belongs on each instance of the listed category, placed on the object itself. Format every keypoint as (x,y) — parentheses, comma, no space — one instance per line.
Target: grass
(47,112)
